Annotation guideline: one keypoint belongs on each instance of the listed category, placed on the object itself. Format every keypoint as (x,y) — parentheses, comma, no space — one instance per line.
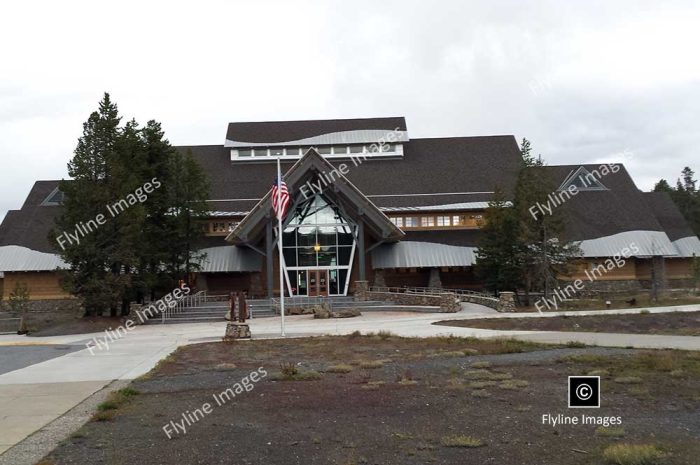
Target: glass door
(318,283)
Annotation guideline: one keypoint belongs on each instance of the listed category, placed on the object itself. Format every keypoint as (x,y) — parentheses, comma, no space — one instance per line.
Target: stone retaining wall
(42,314)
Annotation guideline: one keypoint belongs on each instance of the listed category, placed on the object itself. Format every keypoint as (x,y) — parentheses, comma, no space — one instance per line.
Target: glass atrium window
(318,240)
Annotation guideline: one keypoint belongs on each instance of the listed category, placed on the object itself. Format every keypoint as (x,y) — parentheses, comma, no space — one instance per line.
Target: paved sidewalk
(43,389)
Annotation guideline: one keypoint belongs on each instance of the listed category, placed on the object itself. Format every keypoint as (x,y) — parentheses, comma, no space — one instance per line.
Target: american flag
(281,208)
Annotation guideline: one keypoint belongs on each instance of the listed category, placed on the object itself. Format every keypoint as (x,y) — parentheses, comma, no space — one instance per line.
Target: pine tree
(686,196)
(85,198)
(187,195)
(150,236)
(499,255)
(546,255)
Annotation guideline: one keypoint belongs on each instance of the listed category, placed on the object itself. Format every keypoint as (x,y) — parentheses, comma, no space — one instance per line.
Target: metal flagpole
(279,239)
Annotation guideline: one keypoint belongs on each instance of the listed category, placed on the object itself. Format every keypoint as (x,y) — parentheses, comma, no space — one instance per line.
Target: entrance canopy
(310,176)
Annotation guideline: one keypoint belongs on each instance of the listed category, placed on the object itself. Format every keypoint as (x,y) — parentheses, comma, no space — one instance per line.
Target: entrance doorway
(318,283)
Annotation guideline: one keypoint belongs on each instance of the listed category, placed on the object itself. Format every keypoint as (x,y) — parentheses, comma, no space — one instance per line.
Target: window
(276,151)
(397,220)
(427,221)
(244,152)
(357,148)
(411,222)
(232,225)
(219,227)
(583,180)
(260,152)
(324,150)
(318,236)
(443,220)
(340,150)
(293,152)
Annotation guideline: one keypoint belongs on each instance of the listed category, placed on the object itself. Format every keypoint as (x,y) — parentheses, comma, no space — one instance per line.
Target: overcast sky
(585,81)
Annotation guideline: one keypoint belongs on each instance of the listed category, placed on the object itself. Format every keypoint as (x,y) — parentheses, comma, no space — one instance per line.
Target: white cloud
(583,81)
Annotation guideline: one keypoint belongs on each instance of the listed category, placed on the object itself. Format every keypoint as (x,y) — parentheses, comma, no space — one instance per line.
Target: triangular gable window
(584,180)
(54,198)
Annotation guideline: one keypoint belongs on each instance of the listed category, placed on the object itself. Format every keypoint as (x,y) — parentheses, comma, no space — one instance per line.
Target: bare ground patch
(430,401)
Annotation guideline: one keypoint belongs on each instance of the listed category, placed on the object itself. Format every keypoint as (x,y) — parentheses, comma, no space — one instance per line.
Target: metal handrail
(193,300)
(301,300)
(429,290)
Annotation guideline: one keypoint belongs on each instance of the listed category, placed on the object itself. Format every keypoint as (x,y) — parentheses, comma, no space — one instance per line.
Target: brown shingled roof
(668,215)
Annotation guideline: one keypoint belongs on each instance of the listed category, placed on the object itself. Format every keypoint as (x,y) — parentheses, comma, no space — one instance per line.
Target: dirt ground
(386,400)
(678,323)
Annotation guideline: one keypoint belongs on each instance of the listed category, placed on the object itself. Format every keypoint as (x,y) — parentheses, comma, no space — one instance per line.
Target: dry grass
(513,384)
(373,384)
(486,375)
(628,380)
(461,441)
(371,364)
(290,372)
(632,454)
(481,365)
(481,393)
(339,368)
(481,384)
(610,431)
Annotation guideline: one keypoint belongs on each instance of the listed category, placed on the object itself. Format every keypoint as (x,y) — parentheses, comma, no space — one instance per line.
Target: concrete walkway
(35,394)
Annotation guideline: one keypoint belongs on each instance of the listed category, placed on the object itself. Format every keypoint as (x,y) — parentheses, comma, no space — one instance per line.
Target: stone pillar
(361,290)
(506,302)
(379,280)
(434,280)
(658,277)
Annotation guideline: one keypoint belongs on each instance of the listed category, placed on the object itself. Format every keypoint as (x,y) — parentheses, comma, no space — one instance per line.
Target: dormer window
(344,151)
(54,198)
(583,180)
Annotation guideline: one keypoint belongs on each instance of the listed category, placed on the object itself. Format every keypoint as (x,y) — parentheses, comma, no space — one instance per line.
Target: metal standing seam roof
(450,206)
(230,258)
(649,243)
(17,258)
(687,246)
(412,254)
(360,136)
